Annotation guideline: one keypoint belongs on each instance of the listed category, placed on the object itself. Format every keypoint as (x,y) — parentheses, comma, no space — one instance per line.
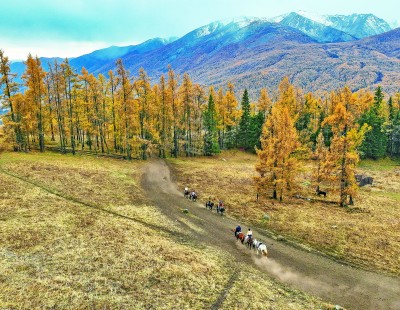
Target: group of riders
(249,240)
(220,206)
(192,195)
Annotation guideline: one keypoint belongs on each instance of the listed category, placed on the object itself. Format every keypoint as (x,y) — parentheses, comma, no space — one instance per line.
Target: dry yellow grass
(58,252)
(370,236)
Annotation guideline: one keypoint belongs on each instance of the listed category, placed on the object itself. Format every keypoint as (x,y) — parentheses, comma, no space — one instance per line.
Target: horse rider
(209,204)
(250,234)
(238,229)
(220,205)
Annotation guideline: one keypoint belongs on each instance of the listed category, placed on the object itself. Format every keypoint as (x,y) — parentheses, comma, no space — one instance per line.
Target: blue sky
(69,28)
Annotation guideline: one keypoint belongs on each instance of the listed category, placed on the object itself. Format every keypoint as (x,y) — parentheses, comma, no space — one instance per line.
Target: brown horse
(240,236)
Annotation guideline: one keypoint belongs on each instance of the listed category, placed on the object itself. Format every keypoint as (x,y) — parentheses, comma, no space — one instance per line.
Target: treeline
(136,117)
(121,113)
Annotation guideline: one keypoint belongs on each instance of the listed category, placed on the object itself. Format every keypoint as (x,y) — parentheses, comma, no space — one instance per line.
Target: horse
(249,241)
(186,194)
(193,196)
(240,236)
(220,210)
(260,247)
(319,192)
(209,205)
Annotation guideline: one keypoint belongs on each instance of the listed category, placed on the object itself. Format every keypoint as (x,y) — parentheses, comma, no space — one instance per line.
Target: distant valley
(318,53)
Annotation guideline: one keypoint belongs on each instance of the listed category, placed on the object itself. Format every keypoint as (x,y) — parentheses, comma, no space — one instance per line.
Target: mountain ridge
(258,52)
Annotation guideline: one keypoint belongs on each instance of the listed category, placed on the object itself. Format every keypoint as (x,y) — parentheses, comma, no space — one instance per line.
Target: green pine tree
(211,145)
(244,130)
(256,125)
(375,142)
(393,129)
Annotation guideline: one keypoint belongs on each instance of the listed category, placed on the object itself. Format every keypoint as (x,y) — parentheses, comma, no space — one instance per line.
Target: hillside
(268,52)
(83,232)
(78,233)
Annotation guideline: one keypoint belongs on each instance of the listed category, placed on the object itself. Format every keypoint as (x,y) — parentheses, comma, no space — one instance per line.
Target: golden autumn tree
(165,119)
(144,96)
(35,93)
(322,173)
(186,101)
(232,116)
(127,110)
(309,120)
(347,137)
(69,79)
(55,87)
(264,102)
(9,89)
(172,89)
(276,164)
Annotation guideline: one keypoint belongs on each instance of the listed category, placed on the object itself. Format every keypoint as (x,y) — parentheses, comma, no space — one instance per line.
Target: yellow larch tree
(347,137)
(277,166)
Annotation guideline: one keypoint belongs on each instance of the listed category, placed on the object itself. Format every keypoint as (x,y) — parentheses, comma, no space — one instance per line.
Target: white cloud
(18,51)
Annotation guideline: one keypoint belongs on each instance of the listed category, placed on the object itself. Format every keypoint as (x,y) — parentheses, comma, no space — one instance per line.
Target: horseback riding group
(191,195)
(220,206)
(250,242)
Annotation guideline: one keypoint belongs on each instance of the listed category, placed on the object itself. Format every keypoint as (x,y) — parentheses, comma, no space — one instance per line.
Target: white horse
(260,247)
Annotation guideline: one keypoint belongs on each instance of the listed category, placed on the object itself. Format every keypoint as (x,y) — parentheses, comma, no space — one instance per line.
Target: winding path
(315,274)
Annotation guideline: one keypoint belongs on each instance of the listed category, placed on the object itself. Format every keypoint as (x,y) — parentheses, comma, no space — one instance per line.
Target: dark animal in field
(319,192)
(363,180)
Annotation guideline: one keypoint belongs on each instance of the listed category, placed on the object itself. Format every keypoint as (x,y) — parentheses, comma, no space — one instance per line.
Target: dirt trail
(339,284)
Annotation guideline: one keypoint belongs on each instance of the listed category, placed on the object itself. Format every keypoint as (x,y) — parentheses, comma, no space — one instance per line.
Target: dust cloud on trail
(159,176)
(287,275)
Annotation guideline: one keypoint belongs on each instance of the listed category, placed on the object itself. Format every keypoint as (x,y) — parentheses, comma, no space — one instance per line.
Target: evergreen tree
(244,132)
(393,128)
(211,145)
(375,142)
(256,125)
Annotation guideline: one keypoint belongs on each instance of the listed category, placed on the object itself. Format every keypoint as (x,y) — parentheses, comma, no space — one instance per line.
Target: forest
(137,118)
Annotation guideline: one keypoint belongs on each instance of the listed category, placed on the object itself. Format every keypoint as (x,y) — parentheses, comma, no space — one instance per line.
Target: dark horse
(220,210)
(319,192)
(249,241)
(209,205)
(186,194)
(193,196)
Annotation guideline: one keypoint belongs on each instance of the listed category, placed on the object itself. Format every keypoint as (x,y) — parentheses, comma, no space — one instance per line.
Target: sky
(69,28)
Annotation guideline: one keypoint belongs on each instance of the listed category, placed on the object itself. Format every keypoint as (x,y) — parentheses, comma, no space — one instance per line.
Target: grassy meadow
(78,233)
(367,235)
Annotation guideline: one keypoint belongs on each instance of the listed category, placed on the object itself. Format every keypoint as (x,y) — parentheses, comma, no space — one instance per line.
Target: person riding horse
(193,196)
(238,229)
(186,192)
(249,238)
(220,207)
(209,204)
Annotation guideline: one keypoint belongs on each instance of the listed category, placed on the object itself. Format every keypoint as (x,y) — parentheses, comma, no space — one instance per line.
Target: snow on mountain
(356,26)
(314,29)
(359,25)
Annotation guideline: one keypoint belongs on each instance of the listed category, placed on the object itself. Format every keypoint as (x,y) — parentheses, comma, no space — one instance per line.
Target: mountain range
(318,53)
